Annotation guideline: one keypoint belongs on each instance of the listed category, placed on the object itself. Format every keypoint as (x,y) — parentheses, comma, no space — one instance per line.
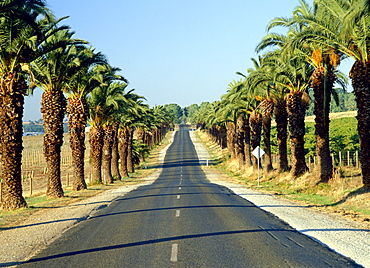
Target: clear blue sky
(171,51)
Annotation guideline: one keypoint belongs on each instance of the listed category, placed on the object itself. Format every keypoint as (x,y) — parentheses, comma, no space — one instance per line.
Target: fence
(340,159)
(34,170)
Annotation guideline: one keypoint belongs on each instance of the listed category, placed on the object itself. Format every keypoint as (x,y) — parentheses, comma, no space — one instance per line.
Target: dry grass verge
(39,202)
(343,195)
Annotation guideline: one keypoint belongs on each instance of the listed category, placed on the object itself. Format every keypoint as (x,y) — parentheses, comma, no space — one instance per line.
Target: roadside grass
(40,202)
(344,194)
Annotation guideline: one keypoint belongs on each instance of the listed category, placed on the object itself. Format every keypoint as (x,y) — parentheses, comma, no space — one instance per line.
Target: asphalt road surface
(183,220)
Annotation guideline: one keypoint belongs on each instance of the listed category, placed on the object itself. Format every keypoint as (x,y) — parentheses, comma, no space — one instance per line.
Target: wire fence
(340,159)
(34,169)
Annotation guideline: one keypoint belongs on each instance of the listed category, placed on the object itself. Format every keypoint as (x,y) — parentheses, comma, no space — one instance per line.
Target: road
(183,220)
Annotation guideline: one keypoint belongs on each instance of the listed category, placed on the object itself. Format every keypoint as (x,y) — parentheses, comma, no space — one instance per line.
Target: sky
(171,51)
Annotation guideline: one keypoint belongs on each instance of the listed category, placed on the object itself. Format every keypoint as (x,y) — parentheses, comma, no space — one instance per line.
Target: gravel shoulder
(343,236)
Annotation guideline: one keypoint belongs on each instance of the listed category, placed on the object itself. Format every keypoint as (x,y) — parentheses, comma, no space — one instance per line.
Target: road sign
(258,152)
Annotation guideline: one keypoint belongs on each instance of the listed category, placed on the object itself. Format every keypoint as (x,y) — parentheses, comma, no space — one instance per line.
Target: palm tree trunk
(222,133)
(140,135)
(360,74)
(96,138)
(322,84)
(247,144)
(107,153)
(267,158)
(281,118)
(115,154)
(267,109)
(53,108)
(296,113)
(130,160)
(123,135)
(240,138)
(230,137)
(12,93)
(255,123)
(77,116)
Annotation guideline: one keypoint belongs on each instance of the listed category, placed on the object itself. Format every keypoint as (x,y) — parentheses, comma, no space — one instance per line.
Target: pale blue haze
(171,51)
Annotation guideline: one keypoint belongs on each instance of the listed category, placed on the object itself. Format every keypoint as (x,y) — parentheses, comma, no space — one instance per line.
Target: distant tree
(175,112)
(346,102)
(199,116)
(32,127)
(191,110)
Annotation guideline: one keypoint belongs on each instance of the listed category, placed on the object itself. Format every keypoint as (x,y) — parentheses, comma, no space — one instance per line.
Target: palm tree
(292,74)
(162,120)
(130,115)
(82,83)
(52,72)
(106,104)
(324,59)
(115,152)
(351,38)
(114,99)
(258,82)
(97,103)
(21,37)
(297,76)
(273,92)
(238,103)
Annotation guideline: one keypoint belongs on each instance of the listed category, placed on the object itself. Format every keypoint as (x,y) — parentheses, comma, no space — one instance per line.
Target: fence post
(357,162)
(340,158)
(31,183)
(348,164)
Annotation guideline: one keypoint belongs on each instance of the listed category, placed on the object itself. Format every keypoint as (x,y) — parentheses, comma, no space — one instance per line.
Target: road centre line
(177,213)
(179,188)
(174,252)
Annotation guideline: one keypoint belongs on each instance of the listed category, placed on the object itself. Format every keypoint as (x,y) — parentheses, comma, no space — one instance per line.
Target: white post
(348,163)
(258,162)
(258,152)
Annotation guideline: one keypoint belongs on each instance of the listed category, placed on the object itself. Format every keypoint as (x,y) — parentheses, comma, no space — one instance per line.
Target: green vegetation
(346,102)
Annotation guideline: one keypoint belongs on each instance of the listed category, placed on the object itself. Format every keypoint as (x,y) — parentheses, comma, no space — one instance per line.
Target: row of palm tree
(35,51)
(306,58)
